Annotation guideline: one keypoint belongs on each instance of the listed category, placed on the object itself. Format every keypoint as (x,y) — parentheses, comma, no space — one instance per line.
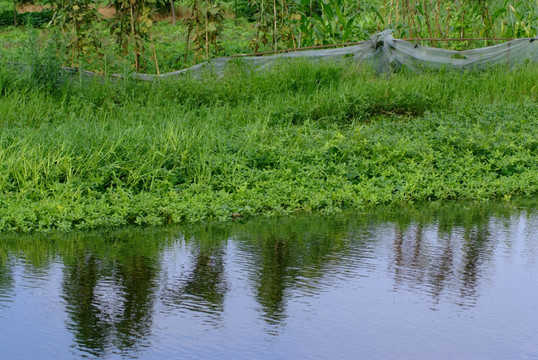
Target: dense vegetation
(147,36)
(300,138)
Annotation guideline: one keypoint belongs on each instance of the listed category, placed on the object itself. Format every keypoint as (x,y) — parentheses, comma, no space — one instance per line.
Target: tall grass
(303,137)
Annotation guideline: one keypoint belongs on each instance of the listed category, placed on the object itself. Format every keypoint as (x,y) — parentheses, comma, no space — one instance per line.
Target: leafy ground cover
(301,138)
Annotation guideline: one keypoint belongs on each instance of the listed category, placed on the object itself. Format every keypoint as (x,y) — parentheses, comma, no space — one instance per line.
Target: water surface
(438,282)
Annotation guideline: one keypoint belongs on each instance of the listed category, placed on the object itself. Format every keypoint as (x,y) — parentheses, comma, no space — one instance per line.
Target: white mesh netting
(385,53)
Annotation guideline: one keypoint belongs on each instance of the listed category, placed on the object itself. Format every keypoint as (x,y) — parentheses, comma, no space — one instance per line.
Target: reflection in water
(444,270)
(115,285)
(272,278)
(91,330)
(109,300)
(292,259)
(204,287)
(442,263)
(6,282)
(474,249)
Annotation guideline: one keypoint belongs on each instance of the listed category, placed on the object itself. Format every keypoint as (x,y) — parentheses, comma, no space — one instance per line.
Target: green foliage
(41,68)
(275,26)
(76,19)
(280,25)
(304,137)
(338,22)
(35,19)
(455,19)
(131,25)
(205,25)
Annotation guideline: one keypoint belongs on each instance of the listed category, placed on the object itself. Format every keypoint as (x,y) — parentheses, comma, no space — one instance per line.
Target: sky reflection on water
(445,282)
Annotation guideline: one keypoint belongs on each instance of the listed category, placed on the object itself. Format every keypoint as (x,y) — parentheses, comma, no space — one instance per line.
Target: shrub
(35,19)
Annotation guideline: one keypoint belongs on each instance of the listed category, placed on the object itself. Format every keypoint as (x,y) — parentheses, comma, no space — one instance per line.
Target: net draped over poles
(384,53)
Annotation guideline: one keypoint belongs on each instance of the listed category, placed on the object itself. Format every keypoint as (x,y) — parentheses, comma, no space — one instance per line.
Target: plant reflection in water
(117,285)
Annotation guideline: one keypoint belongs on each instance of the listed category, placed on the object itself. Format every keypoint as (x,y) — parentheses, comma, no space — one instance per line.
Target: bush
(35,19)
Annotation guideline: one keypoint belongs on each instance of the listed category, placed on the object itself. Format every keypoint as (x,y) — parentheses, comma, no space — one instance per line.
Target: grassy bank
(301,138)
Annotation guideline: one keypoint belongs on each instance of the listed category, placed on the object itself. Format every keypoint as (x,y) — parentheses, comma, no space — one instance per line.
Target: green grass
(301,138)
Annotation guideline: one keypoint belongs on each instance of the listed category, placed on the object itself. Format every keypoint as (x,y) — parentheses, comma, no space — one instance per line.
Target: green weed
(306,137)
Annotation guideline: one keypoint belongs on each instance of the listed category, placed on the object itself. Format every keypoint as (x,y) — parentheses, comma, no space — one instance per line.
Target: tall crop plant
(313,22)
(274,24)
(76,19)
(131,25)
(458,18)
(343,21)
(203,27)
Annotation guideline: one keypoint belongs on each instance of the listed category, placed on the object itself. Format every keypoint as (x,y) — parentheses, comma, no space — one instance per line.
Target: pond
(448,281)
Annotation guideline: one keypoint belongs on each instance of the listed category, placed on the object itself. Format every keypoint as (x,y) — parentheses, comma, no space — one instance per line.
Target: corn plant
(521,21)
(335,21)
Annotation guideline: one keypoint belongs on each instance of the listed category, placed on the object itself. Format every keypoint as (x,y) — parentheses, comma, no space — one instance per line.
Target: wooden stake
(154,53)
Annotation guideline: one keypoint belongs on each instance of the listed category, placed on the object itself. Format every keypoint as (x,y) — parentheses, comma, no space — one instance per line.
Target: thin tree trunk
(15,13)
(463,22)
(447,35)
(291,28)
(135,45)
(206,40)
(274,25)
(188,34)
(487,19)
(173,12)
(154,53)
(257,46)
(437,25)
(426,13)
(215,38)
(187,44)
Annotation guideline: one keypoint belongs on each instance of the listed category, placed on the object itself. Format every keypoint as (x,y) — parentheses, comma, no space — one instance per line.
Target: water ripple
(392,288)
